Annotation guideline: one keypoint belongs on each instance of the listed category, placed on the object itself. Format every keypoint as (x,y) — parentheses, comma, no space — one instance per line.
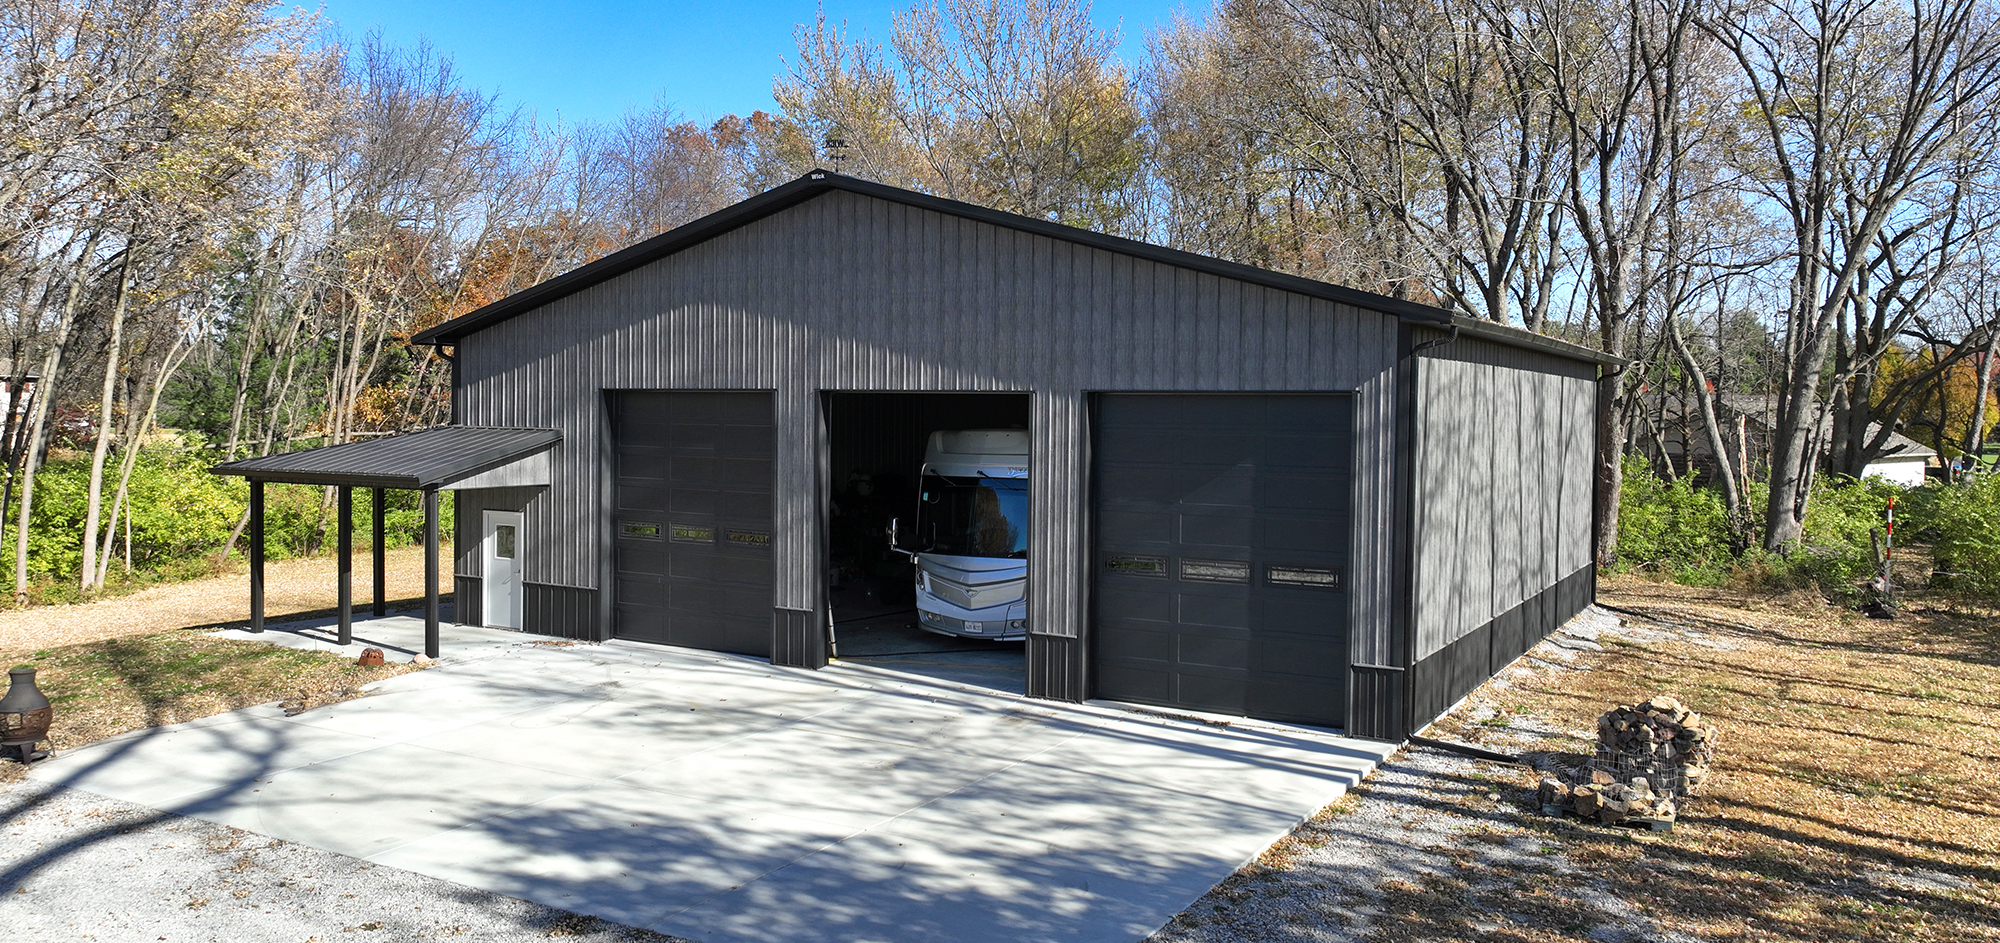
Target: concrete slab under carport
(721,799)
(399,634)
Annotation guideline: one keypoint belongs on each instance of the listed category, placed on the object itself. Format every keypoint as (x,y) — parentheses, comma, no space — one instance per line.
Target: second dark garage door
(693,521)
(1221,559)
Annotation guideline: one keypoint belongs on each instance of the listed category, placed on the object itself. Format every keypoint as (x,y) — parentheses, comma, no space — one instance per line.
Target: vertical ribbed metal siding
(1058,536)
(852,293)
(467,511)
(1503,483)
(796,526)
(1371,552)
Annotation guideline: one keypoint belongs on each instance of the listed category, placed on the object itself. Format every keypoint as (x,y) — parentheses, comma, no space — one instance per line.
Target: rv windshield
(974,517)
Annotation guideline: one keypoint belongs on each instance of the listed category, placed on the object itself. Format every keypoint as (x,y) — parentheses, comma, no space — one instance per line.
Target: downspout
(1435,342)
(452,359)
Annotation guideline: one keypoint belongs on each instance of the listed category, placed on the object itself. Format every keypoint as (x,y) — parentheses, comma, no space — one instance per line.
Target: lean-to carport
(443,458)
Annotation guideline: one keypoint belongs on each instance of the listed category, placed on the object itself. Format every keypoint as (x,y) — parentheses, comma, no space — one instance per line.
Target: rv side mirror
(895,534)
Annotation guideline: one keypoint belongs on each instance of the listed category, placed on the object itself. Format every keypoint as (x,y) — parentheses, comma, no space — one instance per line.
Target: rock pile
(1602,797)
(1659,739)
(1648,755)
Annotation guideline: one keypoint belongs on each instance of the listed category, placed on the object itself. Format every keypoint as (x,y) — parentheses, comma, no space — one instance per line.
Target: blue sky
(593,61)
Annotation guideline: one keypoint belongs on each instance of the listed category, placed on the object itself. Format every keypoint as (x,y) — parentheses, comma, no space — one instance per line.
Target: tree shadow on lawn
(1731,876)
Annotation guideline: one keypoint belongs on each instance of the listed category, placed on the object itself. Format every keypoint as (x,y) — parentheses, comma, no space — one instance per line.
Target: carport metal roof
(431,458)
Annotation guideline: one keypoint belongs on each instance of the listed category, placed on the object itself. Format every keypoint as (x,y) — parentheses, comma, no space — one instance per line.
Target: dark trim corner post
(256,555)
(346,571)
(1059,552)
(430,572)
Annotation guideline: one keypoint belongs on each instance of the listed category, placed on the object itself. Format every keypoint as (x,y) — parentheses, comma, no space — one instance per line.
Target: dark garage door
(1222,537)
(693,524)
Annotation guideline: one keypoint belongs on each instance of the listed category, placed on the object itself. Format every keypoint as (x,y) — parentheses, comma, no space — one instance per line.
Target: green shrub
(1683,532)
(1962,522)
(178,510)
(1837,552)
(1672,528)
(301,520)
(181,513)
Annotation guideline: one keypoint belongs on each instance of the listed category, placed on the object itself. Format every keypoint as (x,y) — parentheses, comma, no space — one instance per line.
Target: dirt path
(290,586)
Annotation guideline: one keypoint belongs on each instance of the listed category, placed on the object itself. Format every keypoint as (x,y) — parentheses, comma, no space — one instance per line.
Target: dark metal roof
(425,459)
(818,182)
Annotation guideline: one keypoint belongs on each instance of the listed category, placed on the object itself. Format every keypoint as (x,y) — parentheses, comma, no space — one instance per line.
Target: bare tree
(1860,106)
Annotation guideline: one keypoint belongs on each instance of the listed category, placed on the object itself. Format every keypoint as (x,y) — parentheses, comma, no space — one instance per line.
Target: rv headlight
(1017,624)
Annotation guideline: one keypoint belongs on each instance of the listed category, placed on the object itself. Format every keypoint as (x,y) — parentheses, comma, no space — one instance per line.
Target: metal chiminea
(24,717)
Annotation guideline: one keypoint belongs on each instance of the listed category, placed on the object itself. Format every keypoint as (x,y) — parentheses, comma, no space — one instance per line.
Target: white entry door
(501,584)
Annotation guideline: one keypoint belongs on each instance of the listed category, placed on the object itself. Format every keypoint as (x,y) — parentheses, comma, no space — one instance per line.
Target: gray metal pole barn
(1445,461)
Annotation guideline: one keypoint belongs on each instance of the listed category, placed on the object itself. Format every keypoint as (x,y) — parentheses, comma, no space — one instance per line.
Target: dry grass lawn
(144,660)
(290,587)
(104,688)
(1857,793)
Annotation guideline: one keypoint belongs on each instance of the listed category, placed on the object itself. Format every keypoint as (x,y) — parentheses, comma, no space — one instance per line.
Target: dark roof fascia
(1501,333)
(466,467)
(393,482)
(627,259)
(1407,310)
(818,182)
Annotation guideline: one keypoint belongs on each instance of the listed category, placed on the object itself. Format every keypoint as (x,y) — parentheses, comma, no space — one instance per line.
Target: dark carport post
(430,572)
(381,589)
(346,564)
(256,555)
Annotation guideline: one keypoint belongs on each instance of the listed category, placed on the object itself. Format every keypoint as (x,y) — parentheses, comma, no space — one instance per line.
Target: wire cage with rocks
(1659,739)
(1648,756)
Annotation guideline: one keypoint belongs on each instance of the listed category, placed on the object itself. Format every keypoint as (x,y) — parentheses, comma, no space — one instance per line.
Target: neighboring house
(20,397)
(1904,460)
(1674,432)
(1250,493)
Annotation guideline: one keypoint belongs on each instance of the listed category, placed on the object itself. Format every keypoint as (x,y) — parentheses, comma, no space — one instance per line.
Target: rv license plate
(975,627)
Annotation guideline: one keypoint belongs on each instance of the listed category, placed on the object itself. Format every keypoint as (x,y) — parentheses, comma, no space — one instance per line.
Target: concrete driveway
(718,798)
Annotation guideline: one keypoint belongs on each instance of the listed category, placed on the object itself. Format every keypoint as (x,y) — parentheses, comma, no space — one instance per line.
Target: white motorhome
(971,540)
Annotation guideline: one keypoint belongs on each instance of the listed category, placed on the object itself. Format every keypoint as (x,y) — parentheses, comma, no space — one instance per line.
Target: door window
(503,541)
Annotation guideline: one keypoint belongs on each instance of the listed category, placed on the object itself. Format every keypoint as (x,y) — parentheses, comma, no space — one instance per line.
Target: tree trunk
(243,371)
(1944,409)
(15,446)
(1795,431)
(94,498)
(1725,472)
(130,458)
(38,425)
(1609,473)
(1975,434)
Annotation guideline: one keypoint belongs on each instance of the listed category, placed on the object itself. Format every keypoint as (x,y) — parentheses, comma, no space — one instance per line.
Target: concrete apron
(718,798)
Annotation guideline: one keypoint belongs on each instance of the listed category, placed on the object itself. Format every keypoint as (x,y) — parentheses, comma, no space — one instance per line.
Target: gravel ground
(1434,840)
(290,586)
(78,866)
(1435,845)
